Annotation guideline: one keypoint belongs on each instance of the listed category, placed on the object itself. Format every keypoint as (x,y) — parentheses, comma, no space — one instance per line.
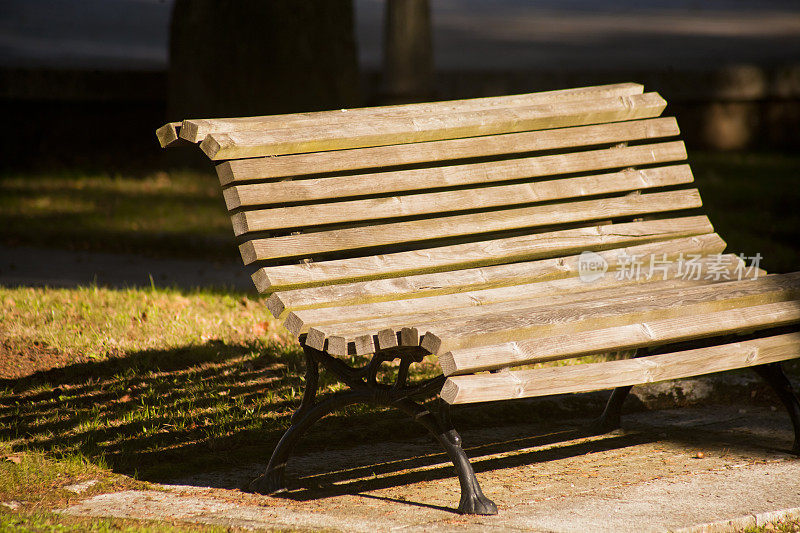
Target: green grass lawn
(751,198)
(40,522)
(148,384)
(160,214)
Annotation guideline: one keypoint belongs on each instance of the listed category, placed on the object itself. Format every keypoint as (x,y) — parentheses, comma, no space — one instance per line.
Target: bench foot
(476,503)
(612,414)
(272,480)
(611,418)
(773,374)
(473,501)
(363,388)
(269,483)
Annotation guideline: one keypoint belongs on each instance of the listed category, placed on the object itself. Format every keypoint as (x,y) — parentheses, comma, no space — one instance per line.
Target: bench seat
(495,236)
(498,328)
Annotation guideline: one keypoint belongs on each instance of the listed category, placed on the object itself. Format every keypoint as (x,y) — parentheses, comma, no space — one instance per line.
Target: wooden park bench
(492,233)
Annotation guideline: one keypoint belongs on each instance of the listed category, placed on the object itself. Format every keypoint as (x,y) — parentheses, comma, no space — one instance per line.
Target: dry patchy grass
(31,481)
(791,525)
(43,521)
(155,383)
(43,327)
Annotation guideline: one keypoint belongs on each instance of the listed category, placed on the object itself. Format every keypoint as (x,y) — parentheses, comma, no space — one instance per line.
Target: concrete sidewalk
(647,477)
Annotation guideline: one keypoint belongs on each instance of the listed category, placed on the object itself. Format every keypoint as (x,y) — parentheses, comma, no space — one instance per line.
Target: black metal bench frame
(365,388)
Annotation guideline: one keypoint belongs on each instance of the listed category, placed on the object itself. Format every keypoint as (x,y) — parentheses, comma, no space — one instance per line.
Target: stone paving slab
(667,503)
(647,477)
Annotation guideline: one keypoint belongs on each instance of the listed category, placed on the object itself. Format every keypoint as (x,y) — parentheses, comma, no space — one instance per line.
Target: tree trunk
(408,51)
(255,57)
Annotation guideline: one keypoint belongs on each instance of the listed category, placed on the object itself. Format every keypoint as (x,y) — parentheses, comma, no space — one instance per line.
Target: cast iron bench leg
(365,389)
(272,480)
(473,501)
(773,374)
(612,414)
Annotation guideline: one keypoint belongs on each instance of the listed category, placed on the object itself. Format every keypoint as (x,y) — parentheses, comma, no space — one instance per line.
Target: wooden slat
(486,329)
(403,154)
(195,130)
(392,315)
(440,202)
(610,374)
(460,200)
(309,244)
(441,320)
(626,337)
(432,285)
(350,331)
(168,135)
(420,128)
(465,303)
(452,176)
(468,256)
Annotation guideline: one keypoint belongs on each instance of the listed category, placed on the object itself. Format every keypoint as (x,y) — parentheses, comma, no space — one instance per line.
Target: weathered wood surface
(502,322)
(610,374)
(413,292)
(625,337)
(168,135)
(495,325)
(368,317)
(462,258)
(379,183)
(455,334)
(359,133)
(266,168)
(345,329)
(310,244)
(551,291)
(195,130)
(448,201)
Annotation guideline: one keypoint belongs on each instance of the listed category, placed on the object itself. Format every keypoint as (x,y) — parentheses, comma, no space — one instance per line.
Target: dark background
(86,82)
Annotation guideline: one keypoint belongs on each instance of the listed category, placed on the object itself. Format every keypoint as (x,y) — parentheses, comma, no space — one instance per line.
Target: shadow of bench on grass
(192,411)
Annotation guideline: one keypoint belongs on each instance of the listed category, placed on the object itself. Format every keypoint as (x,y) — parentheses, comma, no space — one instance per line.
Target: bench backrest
(439,197)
